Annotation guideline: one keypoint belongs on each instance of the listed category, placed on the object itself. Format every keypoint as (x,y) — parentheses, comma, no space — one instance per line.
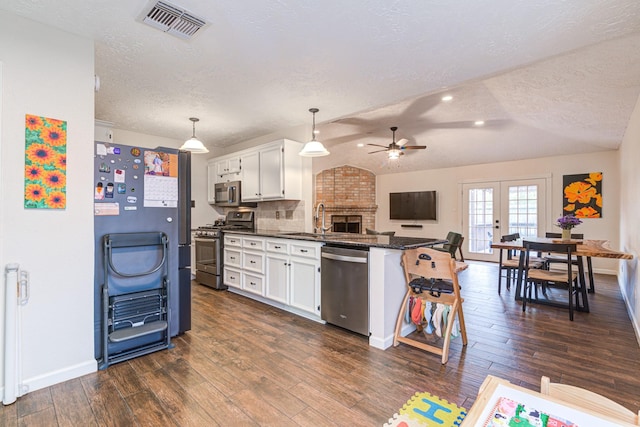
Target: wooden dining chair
(553,259)
(588,400)
(509,262)
(538,277)
(438,271)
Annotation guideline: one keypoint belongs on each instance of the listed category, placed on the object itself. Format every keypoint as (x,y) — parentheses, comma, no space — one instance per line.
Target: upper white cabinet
(272,172)
(211,180)
(228,169)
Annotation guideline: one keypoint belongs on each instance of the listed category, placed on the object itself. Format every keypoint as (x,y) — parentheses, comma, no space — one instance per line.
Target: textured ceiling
(547,77)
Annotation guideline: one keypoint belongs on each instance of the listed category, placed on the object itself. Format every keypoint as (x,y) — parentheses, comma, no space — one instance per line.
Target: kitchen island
(386,277)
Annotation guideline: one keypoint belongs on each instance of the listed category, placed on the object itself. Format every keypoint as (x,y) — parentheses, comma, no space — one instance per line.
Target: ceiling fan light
(313,148)
(193,144)
(394,154)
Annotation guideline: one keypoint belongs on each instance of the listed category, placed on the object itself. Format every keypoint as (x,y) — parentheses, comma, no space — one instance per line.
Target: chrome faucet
(323,229)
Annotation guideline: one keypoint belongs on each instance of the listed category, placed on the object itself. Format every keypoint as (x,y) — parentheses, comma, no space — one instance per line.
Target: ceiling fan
(395,149)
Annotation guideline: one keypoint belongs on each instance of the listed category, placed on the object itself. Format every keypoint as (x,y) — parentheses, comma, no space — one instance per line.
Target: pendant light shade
(193,144)
(313,148)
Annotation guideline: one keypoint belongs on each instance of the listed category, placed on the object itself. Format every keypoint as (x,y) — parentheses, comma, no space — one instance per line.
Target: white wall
(203,213)
(629,275)
(49,73)
(446,183)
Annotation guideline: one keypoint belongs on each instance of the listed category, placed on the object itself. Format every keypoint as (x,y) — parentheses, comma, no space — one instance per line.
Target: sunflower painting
(45,172)
(582,195)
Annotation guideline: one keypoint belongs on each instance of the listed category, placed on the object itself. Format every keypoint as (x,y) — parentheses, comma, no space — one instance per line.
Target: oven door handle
(208,239)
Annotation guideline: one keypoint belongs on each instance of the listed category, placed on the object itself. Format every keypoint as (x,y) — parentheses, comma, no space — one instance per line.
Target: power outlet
(277,214)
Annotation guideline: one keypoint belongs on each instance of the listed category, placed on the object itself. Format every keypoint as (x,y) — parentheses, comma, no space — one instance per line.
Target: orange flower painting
(582,195)
(45,157)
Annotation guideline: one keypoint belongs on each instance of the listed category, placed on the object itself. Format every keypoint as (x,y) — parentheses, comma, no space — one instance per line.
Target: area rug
(425,409)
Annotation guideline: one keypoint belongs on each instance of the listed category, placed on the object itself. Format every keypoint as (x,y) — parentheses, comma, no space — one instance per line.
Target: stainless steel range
(209,246)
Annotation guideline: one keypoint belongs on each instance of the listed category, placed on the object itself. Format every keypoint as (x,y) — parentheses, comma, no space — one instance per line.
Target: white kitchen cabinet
(272,172)
(305,277)
(253,283)
(232,257)
(232,277)
(277,267)
(227,169)
(228,166)
(211,183)
(281,272)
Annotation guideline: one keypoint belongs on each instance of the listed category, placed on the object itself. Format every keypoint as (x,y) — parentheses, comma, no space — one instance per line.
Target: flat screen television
(413,205)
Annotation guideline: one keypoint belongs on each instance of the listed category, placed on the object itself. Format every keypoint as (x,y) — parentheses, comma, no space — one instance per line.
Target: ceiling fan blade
(378,145)
(414,147)
(402,142)
(377,151)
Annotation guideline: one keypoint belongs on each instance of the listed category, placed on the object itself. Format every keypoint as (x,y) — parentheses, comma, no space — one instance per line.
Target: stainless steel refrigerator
(141,190)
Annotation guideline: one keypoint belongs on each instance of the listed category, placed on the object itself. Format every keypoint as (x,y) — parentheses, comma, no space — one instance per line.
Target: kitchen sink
(328,236)
(302,234)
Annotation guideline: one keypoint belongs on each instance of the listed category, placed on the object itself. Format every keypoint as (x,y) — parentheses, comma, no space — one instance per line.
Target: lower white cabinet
(277,274)
(281,272)
(232,277)
(305,284)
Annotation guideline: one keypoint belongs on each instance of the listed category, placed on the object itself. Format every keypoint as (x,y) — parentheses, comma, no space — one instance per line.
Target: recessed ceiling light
(360,144)
(478,123)
(447,98)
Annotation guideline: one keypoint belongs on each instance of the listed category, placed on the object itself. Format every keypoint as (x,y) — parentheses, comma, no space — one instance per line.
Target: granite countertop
(349,239)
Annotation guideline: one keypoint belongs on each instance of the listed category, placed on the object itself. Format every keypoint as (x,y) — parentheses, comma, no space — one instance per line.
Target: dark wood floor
(245,363)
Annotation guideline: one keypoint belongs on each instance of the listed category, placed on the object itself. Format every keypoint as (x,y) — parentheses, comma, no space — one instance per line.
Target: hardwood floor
(247,364)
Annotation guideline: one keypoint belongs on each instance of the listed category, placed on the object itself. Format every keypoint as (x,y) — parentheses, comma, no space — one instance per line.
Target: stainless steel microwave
(228,193)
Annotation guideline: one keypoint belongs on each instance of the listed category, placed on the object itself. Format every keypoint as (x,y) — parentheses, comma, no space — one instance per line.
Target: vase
(566,234)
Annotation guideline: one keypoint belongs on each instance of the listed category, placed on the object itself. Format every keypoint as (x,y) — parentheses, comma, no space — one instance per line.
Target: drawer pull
(252,283)
(252,262)
(304,251)
(278,247)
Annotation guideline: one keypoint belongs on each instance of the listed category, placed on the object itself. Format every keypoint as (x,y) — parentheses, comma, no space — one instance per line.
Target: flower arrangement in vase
(566,223)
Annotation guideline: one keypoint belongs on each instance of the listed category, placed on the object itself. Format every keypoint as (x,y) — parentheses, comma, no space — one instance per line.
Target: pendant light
(313,148)
(193,144)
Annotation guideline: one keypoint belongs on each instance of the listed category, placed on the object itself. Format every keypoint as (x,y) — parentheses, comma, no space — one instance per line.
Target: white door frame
(501,210)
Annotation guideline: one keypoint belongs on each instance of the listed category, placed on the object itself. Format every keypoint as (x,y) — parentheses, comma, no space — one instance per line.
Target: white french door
(493,209)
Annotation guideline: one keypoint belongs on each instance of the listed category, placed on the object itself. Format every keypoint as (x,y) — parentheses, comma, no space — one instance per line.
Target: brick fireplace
(347,192)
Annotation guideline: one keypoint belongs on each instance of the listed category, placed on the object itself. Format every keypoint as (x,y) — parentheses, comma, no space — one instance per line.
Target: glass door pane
(481,202)
(494,209)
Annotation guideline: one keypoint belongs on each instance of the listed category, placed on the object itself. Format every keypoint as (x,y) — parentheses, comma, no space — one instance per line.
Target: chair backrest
(383,233)
(558,248)
(588,400)
(454,242)
(430,263)
(510,237)
(577,236)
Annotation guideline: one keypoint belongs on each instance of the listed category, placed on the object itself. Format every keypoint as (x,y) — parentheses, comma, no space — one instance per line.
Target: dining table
(584,248)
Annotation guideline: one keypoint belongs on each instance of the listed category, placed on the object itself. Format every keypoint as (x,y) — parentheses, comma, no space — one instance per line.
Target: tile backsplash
(281,215)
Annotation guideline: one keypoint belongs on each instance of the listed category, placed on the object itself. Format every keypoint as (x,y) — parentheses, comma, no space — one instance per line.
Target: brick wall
(347,190)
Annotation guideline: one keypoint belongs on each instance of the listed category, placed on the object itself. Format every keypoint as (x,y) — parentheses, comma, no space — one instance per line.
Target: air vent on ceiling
(171,19)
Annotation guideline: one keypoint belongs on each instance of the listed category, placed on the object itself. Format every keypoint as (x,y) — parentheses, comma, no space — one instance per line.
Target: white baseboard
(61,375)
(386,342)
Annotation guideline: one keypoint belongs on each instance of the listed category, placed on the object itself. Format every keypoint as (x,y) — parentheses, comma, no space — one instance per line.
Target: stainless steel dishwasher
(344,291)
